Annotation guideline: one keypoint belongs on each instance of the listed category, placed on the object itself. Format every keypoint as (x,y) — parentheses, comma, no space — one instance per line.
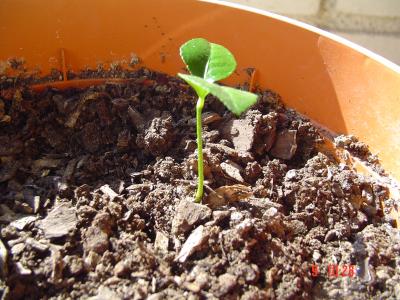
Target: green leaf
(196,53)
(210,61)
(200,90)
(221,64)
(237,101)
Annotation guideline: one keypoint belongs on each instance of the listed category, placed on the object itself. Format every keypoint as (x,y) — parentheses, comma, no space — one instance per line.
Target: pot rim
(371,54)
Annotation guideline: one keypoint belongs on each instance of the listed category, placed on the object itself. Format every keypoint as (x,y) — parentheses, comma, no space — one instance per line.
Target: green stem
(200,182)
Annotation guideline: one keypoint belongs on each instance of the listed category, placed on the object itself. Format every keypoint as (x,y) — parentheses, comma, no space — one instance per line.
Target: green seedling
(208,63)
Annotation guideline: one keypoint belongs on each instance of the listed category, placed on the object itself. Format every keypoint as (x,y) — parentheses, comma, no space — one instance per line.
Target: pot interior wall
(333,84)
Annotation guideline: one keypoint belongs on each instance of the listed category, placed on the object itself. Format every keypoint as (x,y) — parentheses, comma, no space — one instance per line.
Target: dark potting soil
(97,191)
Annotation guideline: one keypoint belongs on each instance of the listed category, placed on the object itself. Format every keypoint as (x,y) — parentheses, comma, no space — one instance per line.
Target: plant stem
(200,172)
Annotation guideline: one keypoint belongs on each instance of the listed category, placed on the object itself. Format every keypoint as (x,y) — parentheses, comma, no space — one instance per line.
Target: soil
(97,191)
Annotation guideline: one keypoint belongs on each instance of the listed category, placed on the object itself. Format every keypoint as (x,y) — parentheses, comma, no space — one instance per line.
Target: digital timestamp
(334,271)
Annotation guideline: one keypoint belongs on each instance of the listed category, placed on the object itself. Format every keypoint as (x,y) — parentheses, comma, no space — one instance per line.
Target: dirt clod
(240,133)
(158,137)
(59,222)
(193,243)
(96,238)
(189,214)
(161,242)
(285,145)
(233,171)
(21,222)
(226,283)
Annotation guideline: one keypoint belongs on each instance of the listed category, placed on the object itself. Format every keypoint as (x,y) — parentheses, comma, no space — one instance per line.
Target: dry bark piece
(232,170)
(227,194)
(189,214)
(194,242)
(285,145)
(206,118)
(232,153)
(210,117)
(61,221)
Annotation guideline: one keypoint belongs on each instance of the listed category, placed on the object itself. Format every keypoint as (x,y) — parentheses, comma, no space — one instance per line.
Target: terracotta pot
(334,82)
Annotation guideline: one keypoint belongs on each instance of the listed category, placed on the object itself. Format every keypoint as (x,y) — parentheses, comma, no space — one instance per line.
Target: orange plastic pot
(334,82)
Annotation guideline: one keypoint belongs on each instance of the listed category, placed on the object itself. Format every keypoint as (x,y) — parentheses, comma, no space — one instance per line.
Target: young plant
(209,62)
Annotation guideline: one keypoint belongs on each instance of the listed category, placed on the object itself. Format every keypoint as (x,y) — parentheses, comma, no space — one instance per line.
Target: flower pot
(334,82)
(342,87)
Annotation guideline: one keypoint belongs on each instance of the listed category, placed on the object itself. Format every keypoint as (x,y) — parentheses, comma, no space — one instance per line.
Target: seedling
(209,62)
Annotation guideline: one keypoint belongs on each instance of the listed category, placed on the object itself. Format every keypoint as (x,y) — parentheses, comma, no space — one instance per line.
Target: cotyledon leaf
(237,101)
(210,61)
(221,64)
(196,53)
